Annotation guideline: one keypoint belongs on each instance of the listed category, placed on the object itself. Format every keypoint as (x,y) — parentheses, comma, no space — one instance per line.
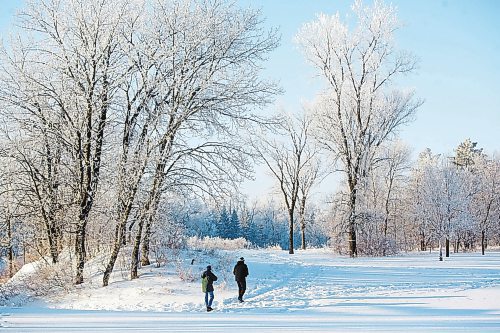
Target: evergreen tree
(466,153)
(234,230)
(223,223)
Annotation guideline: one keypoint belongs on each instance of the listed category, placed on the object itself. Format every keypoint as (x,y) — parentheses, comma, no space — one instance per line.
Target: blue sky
(457,42)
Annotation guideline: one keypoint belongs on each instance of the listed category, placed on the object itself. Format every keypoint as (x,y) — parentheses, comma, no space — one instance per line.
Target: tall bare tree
(387,180)
(486,198)
(208,60)
(358,111)
(290,160)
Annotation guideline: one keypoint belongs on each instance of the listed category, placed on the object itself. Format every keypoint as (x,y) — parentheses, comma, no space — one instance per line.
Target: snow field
(312,290)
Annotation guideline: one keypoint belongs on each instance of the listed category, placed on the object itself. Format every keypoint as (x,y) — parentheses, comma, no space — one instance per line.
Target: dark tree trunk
(353,251)
(54,238)
(447,248)
(145,244)
(114,254)
(134,266)
(290,235)
(80,252)
(303,234)
(483,242)
(10,254)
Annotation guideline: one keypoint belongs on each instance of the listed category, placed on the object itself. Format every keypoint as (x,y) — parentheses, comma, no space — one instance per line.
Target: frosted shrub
(37,279)
(185,273)
(216,243)
(275,247)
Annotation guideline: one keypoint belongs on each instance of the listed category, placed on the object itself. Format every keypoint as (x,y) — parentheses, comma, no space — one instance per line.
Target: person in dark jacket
(209,290)
(240,272)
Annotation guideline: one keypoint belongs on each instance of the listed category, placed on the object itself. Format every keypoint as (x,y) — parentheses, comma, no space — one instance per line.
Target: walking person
(207,286)
(240,272)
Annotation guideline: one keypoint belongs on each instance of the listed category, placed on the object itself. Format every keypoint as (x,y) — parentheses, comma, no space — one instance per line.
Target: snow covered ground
(311,291)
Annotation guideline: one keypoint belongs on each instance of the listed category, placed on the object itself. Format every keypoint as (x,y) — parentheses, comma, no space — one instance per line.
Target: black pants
(242,286)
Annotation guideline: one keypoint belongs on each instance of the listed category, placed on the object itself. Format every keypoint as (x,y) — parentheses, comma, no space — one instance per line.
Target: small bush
(216,243)
(39,278)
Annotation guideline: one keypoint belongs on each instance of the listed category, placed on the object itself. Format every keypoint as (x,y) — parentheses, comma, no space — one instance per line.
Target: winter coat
(211,278)
(240,271)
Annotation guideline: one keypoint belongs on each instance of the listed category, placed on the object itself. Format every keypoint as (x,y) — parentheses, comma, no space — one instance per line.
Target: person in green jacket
(208,279)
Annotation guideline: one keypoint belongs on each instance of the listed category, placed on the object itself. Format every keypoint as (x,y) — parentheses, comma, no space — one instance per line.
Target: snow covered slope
(312,290)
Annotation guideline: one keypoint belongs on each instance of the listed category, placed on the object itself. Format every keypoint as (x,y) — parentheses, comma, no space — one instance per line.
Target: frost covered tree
(313,172)
(415,197)
(360,109)
(209,61)
(290,159)
(10,213)
(446,197)
(68,69)
(396,161)
(138,118)
(485,205)
(466,153)
(482,173)
(246,216)
(381,201)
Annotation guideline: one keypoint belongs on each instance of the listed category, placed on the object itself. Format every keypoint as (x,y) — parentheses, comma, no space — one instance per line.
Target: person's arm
(214,277)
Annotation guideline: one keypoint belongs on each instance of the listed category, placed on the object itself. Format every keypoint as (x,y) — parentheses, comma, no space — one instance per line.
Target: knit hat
(242,259)
(209,268)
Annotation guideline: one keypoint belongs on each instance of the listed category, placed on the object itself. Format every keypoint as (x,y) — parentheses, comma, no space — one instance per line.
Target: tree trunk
(80,252)
(353,251)
(10,254)
(290,236)
(303,234)
(120,239)
(303,221)
(114,253)
(134,266)
(483,243)
(387,211)
(53,236)
(145,244)
(447,248)
(422,242)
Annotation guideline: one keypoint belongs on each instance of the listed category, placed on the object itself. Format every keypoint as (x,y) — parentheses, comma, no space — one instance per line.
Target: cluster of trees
(436,201)
(266,225)
(132,123)
(262,224)
(107,106)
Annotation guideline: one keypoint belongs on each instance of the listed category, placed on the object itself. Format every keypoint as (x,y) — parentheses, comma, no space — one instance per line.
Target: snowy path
(311,291)
(307,281)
